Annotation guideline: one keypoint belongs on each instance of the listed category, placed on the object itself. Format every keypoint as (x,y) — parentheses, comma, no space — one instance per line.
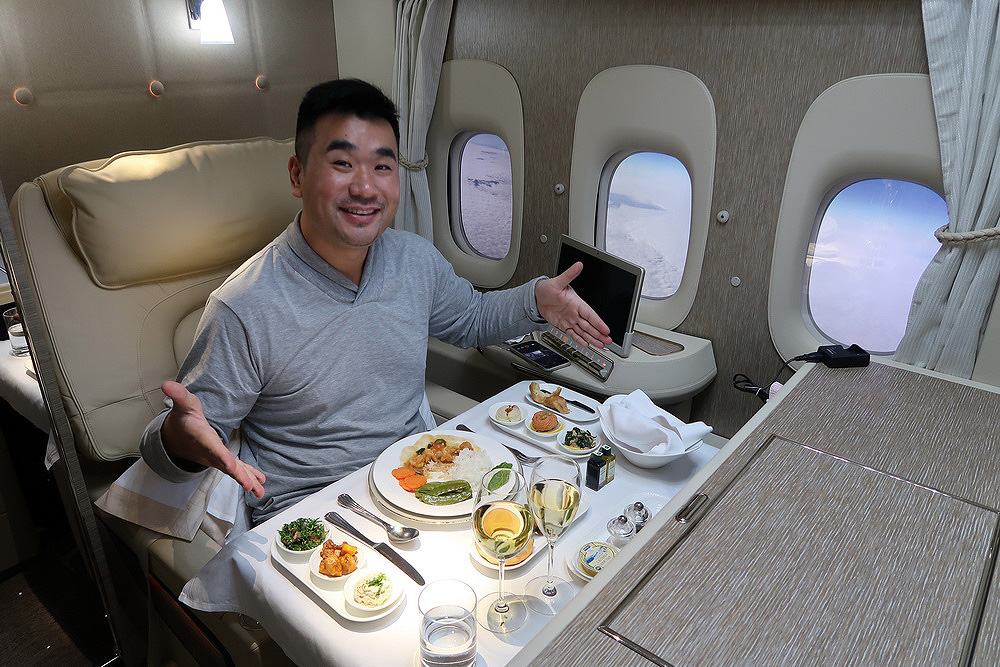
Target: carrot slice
(401,473)
(413,482)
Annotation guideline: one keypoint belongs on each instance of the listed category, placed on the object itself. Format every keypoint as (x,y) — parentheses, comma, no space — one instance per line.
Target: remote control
(589,359)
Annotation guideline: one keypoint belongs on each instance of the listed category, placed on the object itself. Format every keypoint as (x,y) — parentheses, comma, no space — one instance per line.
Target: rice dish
(469,465)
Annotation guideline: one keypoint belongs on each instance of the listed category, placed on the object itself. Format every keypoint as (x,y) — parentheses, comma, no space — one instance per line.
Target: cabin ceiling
(89,64)
(763,62)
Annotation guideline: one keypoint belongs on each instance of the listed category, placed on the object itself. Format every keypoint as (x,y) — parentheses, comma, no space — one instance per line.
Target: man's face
(349,184)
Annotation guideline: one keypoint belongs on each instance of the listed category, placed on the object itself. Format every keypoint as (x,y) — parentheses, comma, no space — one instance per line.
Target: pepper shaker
(621,530)
(637,514)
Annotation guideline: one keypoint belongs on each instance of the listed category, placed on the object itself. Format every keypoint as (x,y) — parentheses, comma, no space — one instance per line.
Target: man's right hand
(188,435)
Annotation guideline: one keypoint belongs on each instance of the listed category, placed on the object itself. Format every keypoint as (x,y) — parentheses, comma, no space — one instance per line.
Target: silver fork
(521,457)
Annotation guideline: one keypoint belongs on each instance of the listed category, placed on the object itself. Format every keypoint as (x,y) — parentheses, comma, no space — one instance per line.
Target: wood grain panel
(764,62)
(987,653)
(861,412)
(808,556)
(931,431)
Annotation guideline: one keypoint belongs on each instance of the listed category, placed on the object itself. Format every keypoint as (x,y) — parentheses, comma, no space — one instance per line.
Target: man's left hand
(562,306)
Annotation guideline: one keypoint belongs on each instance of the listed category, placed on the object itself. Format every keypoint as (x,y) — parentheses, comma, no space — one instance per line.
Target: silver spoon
(398,534)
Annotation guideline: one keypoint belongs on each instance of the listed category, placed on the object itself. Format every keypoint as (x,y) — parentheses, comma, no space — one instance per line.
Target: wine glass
(553,498)
(502,526)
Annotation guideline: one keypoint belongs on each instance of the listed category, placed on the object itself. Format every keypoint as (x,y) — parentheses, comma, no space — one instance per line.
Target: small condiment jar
(637,514)
(621,529)
(596,472)
(609,458)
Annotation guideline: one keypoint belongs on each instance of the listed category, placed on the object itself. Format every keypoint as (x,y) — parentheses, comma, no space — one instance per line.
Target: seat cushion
(157,215)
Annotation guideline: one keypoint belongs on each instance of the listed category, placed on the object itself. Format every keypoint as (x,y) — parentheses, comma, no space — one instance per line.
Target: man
(316,346)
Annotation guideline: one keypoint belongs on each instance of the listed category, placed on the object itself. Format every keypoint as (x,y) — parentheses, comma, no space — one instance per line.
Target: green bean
(444,493)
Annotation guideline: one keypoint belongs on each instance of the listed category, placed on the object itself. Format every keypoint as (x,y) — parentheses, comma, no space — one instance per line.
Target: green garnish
(444,493)
(302,534)
(578,438)
(500,478)
(377,581)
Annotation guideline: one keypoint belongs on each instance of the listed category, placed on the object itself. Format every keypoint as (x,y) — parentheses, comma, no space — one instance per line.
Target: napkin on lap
(634,422)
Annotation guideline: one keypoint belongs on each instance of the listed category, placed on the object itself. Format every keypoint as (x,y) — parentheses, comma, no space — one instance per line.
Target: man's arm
(464,316)
(187,436)
(219,378)
(560,305)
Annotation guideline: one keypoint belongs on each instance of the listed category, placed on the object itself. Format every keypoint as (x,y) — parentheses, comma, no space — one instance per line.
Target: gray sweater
(323,374)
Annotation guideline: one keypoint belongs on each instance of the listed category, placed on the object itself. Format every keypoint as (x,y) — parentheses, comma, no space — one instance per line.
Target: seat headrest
(155,215)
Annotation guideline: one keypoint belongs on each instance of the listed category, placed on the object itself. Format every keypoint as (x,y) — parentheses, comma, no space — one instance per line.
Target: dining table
(249,576)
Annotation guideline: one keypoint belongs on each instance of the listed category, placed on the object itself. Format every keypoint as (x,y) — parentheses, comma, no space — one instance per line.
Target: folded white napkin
(634,422)
(140,496)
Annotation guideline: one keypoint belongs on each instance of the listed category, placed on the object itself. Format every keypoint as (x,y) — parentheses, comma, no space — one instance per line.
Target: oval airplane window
(646,201)
(872,243)
(647,111)
(477,99)
(482,200)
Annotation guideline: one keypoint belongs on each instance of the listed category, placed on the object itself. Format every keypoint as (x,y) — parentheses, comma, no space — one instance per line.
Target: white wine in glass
(502,526)
(554,498)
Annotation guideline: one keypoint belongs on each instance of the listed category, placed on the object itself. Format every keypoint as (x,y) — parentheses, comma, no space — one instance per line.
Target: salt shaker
(637,514)
(621,529)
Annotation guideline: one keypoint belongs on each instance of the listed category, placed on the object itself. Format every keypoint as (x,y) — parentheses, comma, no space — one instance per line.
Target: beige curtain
(421,34)
(953,298)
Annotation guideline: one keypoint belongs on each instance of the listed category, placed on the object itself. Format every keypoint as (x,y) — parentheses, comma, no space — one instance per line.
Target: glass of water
(15,330)
(447,624)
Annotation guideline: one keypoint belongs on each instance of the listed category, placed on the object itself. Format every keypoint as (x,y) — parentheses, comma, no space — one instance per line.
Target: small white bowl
(293,556)
(653,460)
(578,452)
(355,577)
(332,582)
(544,434)
(512,424)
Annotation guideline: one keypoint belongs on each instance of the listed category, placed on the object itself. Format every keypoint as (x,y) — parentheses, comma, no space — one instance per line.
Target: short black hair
(349,97)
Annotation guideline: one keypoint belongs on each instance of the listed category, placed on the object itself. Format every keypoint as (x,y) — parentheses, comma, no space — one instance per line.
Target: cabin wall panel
(89,63)
(764,63)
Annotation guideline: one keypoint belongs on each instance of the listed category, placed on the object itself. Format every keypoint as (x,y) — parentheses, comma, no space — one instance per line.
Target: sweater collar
(370,273)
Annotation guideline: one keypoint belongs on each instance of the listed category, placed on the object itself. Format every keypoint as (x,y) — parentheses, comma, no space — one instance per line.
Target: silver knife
(582,406)
(381,547)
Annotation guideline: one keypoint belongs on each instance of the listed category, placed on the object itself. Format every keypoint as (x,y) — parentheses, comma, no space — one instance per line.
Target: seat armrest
(445,403)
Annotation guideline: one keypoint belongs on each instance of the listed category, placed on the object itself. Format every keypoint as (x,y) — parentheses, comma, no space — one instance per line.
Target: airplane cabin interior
(793,211)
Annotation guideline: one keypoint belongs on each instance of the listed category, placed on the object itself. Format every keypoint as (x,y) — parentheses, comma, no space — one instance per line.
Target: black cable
(743,383)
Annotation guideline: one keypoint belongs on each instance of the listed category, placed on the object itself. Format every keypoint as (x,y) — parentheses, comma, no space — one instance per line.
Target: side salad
(302,534)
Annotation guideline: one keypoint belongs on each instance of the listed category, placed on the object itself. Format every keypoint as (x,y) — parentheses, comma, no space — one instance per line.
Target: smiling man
(316,347)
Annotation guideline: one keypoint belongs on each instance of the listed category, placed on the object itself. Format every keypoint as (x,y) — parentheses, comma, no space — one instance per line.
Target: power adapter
(837,356)
(833,356)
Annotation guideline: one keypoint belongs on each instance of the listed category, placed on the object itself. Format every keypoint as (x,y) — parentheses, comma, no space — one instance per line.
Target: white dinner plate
(390,490)
(575,414)
(393,511)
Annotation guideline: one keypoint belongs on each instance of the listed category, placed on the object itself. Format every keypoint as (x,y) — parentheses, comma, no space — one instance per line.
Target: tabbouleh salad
(302,534)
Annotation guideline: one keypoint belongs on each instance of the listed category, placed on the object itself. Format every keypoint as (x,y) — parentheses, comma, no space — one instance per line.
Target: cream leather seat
(112,261)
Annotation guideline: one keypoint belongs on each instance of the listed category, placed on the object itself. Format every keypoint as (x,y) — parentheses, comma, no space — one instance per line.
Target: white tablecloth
(20,389)
(243,579)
